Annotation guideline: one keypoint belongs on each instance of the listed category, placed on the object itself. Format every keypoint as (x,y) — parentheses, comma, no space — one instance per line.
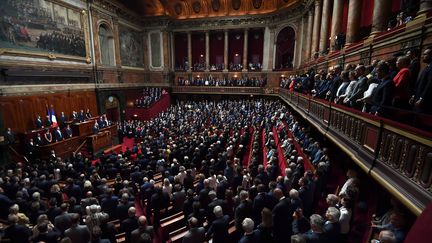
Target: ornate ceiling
(191,9)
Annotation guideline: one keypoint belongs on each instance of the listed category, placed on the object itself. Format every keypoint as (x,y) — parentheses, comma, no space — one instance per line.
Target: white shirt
(344,220)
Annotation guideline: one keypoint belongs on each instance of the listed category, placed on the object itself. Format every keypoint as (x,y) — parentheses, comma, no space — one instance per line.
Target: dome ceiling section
(191,9)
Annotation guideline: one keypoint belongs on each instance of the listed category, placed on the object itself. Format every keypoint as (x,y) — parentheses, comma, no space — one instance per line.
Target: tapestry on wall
(41,26)
(131,47)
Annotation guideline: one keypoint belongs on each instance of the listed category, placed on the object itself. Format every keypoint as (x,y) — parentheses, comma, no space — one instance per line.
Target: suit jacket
(63,222)
(331,232)
(195,235)
(39,123)
(219,230)
(136,234)
(383,95)
(63,120)
(58,135)
(423,87)
(282,218)
(128,225)
(78,234)
(243,210)
(359,88)
(68,132)
(17,233)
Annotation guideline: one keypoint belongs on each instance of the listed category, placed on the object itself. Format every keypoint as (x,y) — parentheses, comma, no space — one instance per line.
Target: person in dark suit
(143,229)
(100,122)
(250,236)
(16,232)
(282,215)
(219,228)
(46,235)
(48,121)
(332,227)
(63,119)
(422,97)
(81,116)
(123,207)
(195,234)
(77,233)
(261,201)
(109,203)
(384,92)
(30,148)
(129,224)
(214,202)
(38,122)
(63,221)
(68,132)
(58,135)
(38,140)
(95,128)
(75,116)
(243,210)
(9,136)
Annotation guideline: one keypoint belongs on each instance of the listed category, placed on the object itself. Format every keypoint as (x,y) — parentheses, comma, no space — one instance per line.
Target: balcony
(399,157)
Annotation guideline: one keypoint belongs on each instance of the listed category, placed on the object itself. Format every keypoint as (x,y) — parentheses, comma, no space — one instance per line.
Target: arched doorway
(112,107)
(285,48)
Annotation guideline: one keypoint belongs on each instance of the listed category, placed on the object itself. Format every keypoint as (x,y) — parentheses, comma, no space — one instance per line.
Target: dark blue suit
(219,230)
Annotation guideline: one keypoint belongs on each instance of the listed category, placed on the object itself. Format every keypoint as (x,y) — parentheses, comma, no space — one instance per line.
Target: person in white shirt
(352,175)
(345,218)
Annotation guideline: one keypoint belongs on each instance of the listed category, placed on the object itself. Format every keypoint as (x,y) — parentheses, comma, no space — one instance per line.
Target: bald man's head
(142,221)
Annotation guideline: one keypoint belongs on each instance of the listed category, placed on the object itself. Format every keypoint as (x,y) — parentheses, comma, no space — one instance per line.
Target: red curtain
(345,17)
(198,48)
(235,47)
(367,13)
(181,49)
(255,46)
(216,48)
(285,47)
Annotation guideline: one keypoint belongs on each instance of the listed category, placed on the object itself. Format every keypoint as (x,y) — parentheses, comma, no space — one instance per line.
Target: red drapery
(180,46)
(216,48)
(235,47)
(198,48)
(255,46)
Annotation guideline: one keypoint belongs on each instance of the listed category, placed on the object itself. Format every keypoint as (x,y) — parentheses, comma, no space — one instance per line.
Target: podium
(98,141)
(84,128)
(62,149)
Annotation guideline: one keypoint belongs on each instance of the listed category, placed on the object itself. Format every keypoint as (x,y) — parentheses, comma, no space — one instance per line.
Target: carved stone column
(172,50)
(226,50)
(381,13)
(189,39)
(245,49)
(272,47)
(354,17)
(299,43)
(425,6)
(207,50)
(325,21)
(337,19)
(308,38)
(316,28)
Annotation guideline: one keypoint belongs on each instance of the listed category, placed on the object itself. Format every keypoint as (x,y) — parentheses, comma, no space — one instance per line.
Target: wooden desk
(84,128)
(99,141)
(62,149)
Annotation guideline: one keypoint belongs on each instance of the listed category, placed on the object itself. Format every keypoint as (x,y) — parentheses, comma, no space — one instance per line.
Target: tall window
(106,40)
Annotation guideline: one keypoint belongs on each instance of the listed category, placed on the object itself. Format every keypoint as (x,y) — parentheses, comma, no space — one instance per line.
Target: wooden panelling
(20,112)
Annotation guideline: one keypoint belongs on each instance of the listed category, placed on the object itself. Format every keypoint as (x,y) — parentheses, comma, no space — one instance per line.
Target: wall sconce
(236,54)
(235,75)
(201,55)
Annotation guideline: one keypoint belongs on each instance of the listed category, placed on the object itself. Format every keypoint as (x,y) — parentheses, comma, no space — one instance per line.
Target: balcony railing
(218,90)
(396,155)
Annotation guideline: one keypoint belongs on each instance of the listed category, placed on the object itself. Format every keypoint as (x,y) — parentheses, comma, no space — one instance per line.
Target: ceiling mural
(192,9)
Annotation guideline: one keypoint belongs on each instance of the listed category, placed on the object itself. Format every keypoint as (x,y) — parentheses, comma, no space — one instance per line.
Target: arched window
(285,48)
(106,41)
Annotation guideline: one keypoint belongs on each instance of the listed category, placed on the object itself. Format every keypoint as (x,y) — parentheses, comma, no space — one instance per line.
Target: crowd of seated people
(199,66)
(217,67)
(379,88)
(150,96)
(235,67)
(196,147)
(210,81)
(255,66)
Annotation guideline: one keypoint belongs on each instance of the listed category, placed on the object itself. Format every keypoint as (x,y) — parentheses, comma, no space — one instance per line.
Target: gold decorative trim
(411,136)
